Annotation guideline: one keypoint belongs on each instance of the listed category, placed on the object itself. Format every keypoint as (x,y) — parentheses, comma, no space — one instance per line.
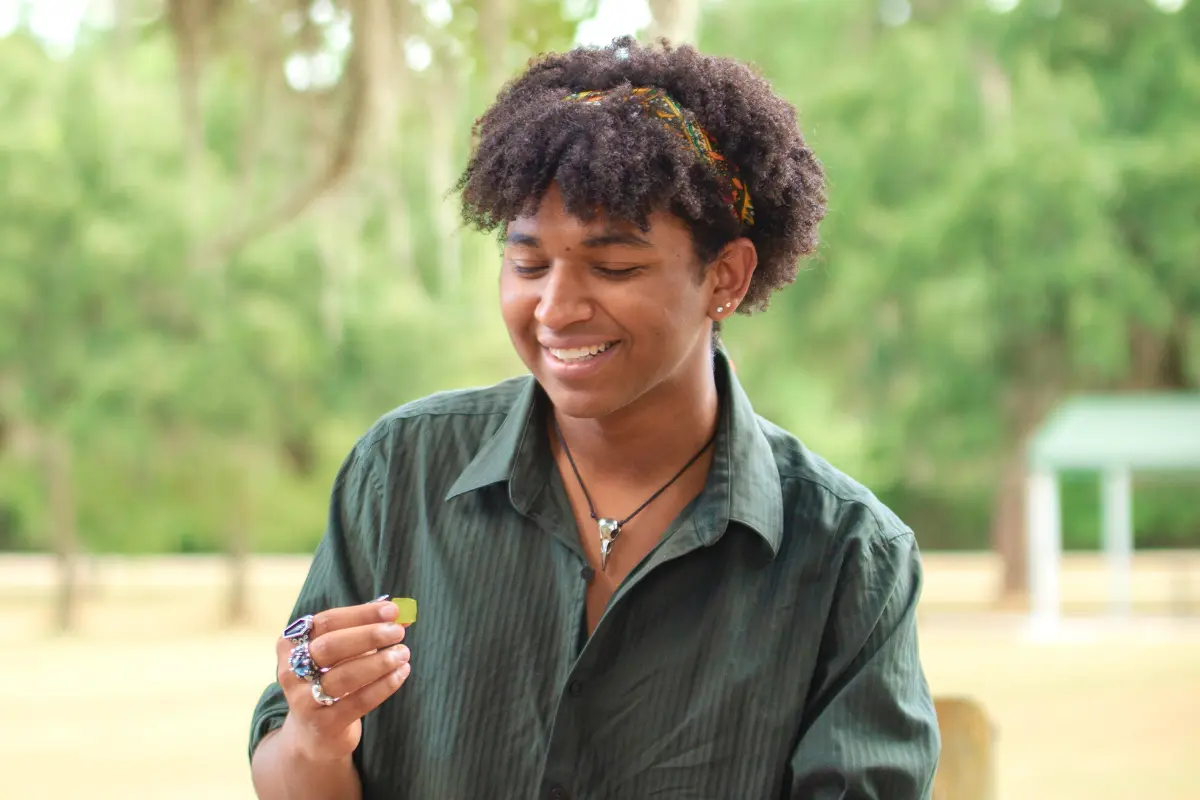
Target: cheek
(518,301)
(671,311)
(678,323)
(663,318)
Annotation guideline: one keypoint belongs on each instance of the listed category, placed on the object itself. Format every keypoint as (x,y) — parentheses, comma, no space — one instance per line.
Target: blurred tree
(156,284)
(226,246)
(87,308)
(1007,221)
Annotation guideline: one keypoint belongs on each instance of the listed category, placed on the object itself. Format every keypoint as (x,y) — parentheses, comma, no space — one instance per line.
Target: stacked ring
(320,695)
(299,629)
(301,661)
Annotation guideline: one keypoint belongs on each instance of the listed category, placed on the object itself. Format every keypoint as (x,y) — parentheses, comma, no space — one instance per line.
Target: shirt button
(575,688)
(557,793)
(588,574)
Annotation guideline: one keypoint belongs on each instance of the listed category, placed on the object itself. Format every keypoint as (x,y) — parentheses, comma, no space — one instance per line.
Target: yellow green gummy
(408,610)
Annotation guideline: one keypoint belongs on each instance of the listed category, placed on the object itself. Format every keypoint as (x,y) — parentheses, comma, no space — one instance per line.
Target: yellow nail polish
(408,610)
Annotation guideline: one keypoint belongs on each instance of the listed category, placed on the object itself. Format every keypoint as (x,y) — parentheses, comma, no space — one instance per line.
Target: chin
(581,403)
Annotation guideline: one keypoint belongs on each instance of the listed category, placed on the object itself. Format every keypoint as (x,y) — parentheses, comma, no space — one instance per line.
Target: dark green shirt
(766,648)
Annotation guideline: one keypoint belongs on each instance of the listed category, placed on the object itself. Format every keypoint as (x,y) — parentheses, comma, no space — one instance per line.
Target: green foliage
(1012,218)
(1008,224)
(1164,511)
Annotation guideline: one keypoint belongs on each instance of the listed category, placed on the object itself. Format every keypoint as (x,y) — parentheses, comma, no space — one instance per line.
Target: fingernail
(381,597)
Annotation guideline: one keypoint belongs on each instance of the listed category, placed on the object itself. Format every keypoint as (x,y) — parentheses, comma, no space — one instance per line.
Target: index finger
(336,619)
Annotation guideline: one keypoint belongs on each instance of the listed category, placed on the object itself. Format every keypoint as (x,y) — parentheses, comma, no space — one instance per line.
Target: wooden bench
(966,770)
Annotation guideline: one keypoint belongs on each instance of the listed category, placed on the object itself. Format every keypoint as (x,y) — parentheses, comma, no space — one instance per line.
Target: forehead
(552,220)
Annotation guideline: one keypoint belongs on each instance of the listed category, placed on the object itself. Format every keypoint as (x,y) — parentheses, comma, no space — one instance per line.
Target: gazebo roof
(1137,431)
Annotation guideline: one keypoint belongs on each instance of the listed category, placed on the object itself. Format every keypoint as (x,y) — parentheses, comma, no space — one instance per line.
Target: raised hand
(357,662)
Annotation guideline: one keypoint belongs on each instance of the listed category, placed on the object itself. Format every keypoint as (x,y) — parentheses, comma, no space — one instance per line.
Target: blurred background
(227,245)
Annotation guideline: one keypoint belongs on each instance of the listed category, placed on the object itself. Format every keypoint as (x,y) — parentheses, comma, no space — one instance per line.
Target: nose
(565,300)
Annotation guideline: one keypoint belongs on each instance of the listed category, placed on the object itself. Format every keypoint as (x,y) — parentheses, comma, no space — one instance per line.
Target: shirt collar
(744,473)
(743,484)
(517,453)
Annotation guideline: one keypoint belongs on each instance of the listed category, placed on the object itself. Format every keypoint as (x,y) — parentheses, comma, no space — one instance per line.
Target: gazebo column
(1117,520)
(1044,529)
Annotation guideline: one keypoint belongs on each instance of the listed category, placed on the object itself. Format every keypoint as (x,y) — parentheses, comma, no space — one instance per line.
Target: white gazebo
(1114,435)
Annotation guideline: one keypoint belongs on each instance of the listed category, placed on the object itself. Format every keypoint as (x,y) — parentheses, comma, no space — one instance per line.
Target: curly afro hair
(611,158)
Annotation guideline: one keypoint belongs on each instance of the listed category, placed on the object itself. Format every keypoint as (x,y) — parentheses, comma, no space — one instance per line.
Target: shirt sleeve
(871,730)
(341,572)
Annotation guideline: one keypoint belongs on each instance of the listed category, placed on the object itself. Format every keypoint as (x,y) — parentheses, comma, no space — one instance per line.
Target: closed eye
(618,274)
(529,270)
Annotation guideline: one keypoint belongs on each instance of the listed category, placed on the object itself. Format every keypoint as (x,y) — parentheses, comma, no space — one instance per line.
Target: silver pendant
(610,529)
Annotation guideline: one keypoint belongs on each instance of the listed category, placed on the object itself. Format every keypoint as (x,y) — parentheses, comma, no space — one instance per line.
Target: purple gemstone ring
(299,629)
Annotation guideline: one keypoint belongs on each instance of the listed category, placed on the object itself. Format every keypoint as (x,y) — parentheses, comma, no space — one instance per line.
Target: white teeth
(579,353)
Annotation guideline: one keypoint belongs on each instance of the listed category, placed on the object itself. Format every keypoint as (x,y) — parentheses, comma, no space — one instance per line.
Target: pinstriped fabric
(766,649)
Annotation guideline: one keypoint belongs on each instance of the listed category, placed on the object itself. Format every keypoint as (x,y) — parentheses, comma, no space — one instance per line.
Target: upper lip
(575,344)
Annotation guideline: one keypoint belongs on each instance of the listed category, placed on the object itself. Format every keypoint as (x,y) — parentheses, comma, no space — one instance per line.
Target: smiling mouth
(578,355)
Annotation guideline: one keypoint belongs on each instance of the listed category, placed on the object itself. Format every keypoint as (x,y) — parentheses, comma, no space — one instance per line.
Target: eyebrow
(522,240)
(612,236)
(608,238)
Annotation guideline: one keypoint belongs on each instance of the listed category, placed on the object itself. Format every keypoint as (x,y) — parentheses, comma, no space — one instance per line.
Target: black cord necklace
(610,528)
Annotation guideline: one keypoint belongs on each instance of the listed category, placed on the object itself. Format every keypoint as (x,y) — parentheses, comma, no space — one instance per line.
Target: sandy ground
(161,709)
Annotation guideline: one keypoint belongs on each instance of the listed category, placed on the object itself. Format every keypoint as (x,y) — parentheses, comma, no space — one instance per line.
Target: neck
(658,433)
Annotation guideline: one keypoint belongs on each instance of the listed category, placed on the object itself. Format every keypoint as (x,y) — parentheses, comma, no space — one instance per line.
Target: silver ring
(301,663)
(320,696)
(300,628)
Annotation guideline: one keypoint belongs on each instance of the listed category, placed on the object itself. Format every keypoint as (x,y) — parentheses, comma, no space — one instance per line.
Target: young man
(630,585)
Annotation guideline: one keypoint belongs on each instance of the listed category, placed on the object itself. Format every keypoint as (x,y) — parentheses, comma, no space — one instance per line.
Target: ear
(729,276)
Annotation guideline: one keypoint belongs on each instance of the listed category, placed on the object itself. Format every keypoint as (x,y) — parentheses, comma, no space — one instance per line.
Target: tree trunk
(494,18)
(443,108)
(237,604)
(1026,405)
(187,19)
(123,27)
(60,491)
(995,90)
(1008,534)
(338,264)
(678,21)
(237,601)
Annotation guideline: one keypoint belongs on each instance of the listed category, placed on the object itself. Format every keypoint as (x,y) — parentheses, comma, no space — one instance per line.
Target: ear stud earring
(720,309)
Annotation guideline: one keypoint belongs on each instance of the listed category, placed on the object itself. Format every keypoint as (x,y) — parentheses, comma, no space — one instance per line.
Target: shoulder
(826,507)
(443,409)
(455,421)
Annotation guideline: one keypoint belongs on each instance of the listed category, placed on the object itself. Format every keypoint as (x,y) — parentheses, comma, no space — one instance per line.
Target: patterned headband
(668,111)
